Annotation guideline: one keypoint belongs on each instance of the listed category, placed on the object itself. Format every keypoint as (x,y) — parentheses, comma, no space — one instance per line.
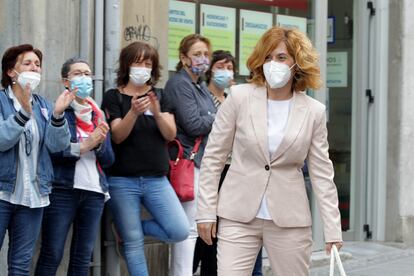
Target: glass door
(339,80)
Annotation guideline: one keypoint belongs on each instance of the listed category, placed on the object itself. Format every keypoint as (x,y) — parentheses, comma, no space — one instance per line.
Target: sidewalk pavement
(369,259)
(364,259)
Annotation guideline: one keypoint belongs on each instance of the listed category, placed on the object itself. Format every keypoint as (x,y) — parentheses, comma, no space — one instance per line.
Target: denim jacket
(54,137)
(64,162)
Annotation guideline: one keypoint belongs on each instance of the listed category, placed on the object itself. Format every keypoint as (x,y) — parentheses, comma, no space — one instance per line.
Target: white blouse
(277,117)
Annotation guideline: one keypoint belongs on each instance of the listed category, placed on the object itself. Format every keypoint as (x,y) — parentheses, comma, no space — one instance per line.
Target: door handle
(368,93)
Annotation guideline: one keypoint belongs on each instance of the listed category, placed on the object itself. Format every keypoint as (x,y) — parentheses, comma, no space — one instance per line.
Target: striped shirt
(216,101)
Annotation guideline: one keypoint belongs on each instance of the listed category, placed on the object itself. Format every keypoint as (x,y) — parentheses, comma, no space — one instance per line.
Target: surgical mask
(222,78)
(139,75)
(277,74)
(84,85)
(199,65)
(29,77)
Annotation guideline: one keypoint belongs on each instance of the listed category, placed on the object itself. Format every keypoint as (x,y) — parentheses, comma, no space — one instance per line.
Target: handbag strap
(335,256)
(180,148)
(196,147)
(180,153)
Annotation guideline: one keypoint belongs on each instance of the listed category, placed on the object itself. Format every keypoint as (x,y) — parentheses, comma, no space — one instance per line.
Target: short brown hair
(135,52)
(185,45)
(217,56)
(307,73)
(64,72)
(10,58)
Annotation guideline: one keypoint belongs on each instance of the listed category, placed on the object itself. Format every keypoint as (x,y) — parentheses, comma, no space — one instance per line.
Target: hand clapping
(155,104)
(99,134)
(63,101)
(140,105)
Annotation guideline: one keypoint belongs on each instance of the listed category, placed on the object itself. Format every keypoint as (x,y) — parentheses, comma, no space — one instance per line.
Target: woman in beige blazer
(271,126)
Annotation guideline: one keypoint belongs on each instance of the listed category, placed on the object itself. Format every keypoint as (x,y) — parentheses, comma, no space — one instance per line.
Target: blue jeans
(84,209)
(23,224)
(169,222)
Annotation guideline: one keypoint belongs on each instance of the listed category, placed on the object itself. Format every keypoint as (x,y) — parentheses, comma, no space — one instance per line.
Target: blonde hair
(307,72)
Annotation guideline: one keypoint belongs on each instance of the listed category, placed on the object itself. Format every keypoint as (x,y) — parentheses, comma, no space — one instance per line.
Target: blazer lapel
(295,122)
(258,115)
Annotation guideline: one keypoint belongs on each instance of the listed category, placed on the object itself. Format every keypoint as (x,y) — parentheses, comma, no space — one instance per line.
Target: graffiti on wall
(140,31)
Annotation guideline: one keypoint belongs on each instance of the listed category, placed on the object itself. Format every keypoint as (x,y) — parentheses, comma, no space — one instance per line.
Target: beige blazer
(240,127)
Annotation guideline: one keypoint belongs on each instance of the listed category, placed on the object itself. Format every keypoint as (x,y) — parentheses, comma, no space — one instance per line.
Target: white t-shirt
(86,171)
(277,117)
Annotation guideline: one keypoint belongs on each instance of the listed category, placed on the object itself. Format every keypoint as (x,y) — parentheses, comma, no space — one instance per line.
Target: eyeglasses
(28,138)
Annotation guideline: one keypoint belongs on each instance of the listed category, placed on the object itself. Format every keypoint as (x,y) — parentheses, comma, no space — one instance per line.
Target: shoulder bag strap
(196,147)
(180,153)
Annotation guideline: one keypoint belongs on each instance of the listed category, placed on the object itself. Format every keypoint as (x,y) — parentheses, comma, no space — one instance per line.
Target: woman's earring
(298,75)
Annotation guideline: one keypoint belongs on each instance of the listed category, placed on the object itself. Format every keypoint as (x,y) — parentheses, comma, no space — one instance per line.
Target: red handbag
(182,171)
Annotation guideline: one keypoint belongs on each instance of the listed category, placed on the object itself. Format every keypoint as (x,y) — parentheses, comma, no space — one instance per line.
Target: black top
(144,152)
(194,111)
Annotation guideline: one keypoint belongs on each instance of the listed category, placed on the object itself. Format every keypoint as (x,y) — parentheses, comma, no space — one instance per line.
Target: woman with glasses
(191,103)
(79,185)
(30,129)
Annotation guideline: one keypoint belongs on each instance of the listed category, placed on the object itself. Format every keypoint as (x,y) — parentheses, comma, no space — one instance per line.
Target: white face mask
(139,75)
(29,77)
(277,74)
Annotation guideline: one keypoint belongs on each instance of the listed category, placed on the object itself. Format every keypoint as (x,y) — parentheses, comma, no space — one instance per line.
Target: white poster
(288,21)
(181,23)
(330,38)
(337,69)
(252,26)
(219,25)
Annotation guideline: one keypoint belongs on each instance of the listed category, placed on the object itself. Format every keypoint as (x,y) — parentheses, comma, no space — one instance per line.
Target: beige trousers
(289,249)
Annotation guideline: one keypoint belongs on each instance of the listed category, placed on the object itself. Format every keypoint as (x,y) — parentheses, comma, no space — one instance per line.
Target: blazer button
(267,167)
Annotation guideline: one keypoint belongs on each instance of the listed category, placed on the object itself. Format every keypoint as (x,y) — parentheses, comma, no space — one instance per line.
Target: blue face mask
(222,78)
(84,85)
